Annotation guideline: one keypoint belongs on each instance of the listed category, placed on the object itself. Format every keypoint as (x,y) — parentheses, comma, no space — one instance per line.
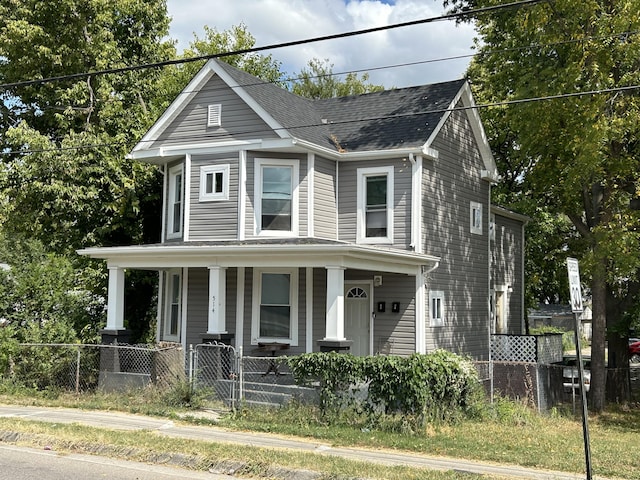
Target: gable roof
(390,120)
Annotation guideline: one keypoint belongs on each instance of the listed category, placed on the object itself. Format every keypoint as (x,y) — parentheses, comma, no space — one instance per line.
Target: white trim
(186,198)
(293,305)
(185,305)
(347,255)
(242,193)
(165,195)
(240,307)
(115,299)
(309,309)
(363,174)
(416,203)
(433,321)
(334,323)
(421,324)
(216,317)
(160,304)
(205,171)
(166,324)
(214,115)
(173,173)
(311,170)
(259,163)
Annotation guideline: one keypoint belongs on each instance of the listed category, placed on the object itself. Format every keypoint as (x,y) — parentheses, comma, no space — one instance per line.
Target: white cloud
(276,21)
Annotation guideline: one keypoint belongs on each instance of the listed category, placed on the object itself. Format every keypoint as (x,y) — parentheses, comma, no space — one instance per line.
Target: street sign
(575,290)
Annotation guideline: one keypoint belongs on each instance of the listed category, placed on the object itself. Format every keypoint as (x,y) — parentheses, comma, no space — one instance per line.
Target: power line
(259,82)
(368,119)
(445,17)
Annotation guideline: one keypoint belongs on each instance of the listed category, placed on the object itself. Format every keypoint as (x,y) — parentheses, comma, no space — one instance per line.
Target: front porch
(311,296)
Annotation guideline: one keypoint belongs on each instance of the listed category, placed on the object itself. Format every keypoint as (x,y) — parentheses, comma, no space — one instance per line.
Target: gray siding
(239,122)
(393,333)
(449,185)
(348,199)
(507,267)
(325,211)
(214,220)
(197,305)
(319,306)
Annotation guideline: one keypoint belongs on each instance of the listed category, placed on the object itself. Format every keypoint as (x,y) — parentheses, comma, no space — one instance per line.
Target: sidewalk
(123,421)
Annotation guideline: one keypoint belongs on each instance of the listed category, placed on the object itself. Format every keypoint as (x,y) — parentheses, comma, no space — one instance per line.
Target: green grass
(506,432)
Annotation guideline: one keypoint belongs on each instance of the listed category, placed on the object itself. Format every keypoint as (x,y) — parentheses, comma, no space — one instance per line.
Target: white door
(357,317)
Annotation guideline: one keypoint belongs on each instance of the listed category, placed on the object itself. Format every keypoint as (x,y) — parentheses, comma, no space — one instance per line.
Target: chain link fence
(233,378)
(83,368)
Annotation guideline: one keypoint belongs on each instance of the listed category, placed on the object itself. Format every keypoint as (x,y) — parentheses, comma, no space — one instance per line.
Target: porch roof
(298,252)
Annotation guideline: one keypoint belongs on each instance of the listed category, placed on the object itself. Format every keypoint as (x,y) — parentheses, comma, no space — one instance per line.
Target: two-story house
(361,223)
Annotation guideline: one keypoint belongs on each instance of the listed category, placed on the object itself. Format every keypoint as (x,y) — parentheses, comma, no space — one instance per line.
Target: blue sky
(275,21)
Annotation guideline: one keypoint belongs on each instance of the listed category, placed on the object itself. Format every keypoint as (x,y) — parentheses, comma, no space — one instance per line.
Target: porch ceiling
(264,253)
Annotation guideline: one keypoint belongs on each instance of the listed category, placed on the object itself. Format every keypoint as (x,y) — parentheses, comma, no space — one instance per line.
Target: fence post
(240,380)
(191,355)
(78,371)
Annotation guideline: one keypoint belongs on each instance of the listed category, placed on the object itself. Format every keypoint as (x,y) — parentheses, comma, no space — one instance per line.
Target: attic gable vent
(214,115)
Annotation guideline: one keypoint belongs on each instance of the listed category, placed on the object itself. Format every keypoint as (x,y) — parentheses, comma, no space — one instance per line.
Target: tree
(581,150)
(64,180)
(318,81)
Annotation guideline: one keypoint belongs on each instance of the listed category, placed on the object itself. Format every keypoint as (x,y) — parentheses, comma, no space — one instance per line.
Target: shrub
(437,386)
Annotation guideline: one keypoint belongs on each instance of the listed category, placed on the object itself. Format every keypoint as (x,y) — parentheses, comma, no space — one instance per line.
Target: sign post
(575,291)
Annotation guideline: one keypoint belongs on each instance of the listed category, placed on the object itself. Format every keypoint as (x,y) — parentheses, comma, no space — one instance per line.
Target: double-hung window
(214,183)
(375,205)
(172,324)
(275,316)
(175,202)
(276,193)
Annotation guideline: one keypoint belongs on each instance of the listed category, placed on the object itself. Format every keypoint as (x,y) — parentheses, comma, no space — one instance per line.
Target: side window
(275,317)
(214,183)
(175,202)
(436,308)
(375,205)
(276,194)
(476,218)
(172,324)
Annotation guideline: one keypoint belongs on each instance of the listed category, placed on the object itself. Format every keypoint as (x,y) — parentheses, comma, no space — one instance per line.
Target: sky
(276,21)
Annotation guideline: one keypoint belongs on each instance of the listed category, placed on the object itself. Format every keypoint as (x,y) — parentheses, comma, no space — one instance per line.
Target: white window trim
(166,335)
(173,172)
(295,180)
(433,295)
(293,299)
(214,115)
(363,173)
(492,228)
(213,196)
(474,228)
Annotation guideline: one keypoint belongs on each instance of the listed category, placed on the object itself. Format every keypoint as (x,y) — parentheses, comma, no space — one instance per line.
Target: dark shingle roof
(390,119)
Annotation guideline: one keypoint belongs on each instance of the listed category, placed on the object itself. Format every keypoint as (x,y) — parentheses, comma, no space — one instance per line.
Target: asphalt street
(123,421)
(21,463)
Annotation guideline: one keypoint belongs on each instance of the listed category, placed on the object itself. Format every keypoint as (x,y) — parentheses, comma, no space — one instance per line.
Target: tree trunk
(598,371)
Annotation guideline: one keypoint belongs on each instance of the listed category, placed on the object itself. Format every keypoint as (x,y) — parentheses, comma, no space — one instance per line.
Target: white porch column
(115,299)
(217,295)
(334,329)
(421,320)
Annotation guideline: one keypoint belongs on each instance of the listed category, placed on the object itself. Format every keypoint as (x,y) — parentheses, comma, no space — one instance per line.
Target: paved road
(124,421)
(20,463)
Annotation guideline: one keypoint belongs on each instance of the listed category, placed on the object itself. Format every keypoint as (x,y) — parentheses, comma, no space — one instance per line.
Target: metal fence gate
(217,367)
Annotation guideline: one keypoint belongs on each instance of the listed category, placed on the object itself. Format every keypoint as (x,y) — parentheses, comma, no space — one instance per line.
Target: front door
(357,317)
